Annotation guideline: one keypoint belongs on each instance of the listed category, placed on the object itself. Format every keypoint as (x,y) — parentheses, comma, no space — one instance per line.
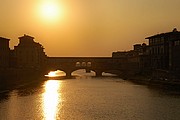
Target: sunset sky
(87,27)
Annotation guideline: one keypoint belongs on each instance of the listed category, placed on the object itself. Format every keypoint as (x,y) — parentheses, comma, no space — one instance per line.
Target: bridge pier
(88,70)
(68,74)
(98,74)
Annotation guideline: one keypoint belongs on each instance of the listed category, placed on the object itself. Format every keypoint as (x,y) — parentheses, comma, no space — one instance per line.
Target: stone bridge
(96,64)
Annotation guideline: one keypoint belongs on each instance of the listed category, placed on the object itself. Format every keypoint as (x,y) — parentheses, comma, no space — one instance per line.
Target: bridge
(96,64)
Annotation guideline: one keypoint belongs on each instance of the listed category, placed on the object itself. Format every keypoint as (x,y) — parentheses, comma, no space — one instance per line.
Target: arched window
(88,64)
(78,64)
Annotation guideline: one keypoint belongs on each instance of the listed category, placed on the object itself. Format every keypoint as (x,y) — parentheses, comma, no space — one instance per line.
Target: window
(88,64)
(150,50)
(162,39)
(176,43)
(162,49)
(153,50)
(78,64)
(158,50)
(150,41)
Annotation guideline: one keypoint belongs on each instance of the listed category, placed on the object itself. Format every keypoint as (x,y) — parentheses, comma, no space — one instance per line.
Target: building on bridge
(28,53)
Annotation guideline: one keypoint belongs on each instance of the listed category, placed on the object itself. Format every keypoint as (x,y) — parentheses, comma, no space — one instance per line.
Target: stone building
(29,54)
(4,52)
(164,50)
(135,60)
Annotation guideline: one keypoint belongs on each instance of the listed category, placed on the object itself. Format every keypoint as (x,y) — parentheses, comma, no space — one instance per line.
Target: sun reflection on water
(57,73)
(51,99)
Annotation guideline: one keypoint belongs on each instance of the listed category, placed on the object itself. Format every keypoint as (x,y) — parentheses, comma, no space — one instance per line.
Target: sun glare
(51,10)
(52,74)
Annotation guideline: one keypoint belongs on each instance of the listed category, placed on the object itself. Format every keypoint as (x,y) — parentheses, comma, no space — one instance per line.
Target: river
(89,98)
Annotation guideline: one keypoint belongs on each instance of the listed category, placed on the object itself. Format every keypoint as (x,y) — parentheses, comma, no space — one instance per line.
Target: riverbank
(149,80)
(8,84)
(11,78)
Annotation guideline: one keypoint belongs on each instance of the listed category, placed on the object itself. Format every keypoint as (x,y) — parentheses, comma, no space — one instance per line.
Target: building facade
(164,50)
(4,52)
(29,54)
(135,60)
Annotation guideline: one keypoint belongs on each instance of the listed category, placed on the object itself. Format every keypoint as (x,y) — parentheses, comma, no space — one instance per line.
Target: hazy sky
(87,27)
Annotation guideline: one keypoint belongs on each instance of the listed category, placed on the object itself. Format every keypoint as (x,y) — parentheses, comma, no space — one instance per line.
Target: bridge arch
(78,64)
(98,72)
(57,70)
(84,72)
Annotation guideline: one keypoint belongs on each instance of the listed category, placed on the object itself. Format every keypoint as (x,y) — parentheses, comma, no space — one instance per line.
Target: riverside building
(28,53)
(164,50)
(4,52)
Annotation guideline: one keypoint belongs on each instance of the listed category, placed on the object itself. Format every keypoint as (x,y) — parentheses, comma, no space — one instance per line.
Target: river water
(89,98)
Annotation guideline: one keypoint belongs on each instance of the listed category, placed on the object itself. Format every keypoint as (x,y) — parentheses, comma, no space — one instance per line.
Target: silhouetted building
(164,50)
(120,54)
(135,60)
(137,47)
(29,54)
(4,52)
(13,60)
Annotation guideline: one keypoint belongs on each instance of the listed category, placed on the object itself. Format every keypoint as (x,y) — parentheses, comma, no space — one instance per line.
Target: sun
(50,10)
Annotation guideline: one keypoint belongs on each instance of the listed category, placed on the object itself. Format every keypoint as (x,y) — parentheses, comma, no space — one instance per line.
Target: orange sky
(88,27)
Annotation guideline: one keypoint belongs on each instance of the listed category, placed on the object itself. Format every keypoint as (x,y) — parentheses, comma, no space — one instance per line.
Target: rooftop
(26,36)
(174,32)
(2,38)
